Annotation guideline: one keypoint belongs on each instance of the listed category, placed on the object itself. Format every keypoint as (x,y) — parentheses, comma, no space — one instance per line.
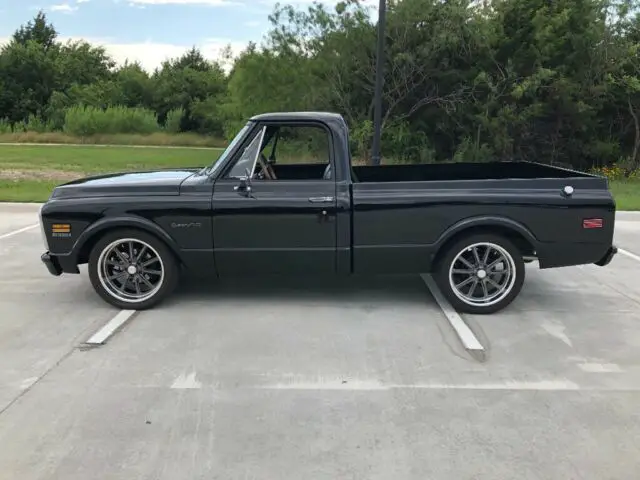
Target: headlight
(42,232)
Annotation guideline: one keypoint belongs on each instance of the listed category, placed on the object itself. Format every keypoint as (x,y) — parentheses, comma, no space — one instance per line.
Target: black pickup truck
(285,198)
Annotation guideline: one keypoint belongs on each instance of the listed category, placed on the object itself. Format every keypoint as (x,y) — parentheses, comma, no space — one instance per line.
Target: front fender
(125,221)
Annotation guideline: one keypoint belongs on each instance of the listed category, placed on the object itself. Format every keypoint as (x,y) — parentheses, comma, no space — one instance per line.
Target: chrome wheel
(482,274)
(130,270)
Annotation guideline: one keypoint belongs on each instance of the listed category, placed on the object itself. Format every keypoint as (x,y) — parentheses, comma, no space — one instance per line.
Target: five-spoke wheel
(132,269)
(482,273)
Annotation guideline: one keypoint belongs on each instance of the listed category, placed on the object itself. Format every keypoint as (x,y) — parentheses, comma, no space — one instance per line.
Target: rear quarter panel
(398,227)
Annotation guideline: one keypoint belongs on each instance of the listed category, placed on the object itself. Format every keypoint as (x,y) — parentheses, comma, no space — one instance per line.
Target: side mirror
(244,185)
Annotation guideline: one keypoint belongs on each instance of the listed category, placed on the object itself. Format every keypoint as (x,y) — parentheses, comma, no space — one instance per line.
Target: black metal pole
(377,115)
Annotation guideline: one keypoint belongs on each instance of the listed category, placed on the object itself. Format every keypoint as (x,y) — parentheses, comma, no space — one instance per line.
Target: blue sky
(149,30)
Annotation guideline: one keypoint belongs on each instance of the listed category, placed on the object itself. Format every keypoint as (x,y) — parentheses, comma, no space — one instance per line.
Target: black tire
(163,284)
(512,286)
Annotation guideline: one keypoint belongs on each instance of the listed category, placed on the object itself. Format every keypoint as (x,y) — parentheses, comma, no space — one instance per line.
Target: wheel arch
(517,233)
(96,231)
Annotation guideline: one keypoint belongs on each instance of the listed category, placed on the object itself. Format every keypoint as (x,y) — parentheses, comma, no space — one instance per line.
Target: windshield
(222,158)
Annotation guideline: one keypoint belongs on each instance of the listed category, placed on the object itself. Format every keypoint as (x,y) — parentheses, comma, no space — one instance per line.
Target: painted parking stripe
(102,335)
(629,254)
(374,385)
(20,230)
(465,334)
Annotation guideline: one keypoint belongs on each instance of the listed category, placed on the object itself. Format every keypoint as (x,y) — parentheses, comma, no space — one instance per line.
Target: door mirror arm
(244,185)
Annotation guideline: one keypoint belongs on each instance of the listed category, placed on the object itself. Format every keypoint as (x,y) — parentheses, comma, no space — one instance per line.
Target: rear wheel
(481,273)
(132,270)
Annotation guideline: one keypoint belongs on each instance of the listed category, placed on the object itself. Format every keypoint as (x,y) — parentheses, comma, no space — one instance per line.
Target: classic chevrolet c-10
(284,198)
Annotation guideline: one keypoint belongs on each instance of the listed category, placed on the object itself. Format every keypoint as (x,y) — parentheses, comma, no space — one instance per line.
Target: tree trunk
(635,161)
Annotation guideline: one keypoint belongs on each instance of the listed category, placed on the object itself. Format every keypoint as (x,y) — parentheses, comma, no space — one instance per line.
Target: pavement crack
(633,299)
(33,384)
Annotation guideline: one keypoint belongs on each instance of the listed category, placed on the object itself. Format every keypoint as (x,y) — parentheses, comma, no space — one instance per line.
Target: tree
(555,82)
(28,77)
(186,82)
(81,63)
(37,30)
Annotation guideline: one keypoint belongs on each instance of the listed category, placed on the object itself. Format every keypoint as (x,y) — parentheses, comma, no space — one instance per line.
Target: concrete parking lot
(308,379)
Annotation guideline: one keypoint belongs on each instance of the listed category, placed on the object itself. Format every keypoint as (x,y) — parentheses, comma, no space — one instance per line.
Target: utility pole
(377,116)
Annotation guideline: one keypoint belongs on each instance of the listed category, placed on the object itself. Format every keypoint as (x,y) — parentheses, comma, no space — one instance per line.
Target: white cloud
(244,3)
(82,1)
(212,3)
(63,7)
(309,2)
(151,54)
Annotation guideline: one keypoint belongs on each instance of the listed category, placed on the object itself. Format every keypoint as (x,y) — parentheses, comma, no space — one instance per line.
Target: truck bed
(462,171)
(401,211)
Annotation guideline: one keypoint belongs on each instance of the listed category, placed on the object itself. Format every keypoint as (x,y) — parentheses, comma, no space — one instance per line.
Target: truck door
(274,208)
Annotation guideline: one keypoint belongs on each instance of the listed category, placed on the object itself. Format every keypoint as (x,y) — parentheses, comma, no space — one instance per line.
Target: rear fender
(490,224)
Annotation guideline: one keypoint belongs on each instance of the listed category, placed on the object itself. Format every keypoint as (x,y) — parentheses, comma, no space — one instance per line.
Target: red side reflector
(592,223)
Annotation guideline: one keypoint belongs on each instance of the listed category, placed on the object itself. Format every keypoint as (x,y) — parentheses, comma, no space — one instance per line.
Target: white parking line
(629,254)
(465,334)
(186,382)
(543,385)
(102,335)
(16,232)
(600,367)
(556,329)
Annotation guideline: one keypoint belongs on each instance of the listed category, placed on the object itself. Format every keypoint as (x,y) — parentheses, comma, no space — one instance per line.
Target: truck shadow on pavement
(382,290)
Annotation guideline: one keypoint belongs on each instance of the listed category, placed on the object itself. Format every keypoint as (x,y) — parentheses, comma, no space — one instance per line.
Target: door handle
(321,199)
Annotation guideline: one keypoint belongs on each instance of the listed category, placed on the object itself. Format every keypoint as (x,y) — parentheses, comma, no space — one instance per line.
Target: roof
(297,116)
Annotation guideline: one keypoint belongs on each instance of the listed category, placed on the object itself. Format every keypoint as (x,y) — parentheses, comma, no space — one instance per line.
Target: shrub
(85,121)
(5,126)
(173,121)
(36,124)
(615,172)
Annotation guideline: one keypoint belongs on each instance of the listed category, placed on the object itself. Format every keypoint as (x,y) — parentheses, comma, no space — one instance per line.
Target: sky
(150,31)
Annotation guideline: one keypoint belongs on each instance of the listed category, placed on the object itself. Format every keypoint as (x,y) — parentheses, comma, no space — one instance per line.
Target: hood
(157,182)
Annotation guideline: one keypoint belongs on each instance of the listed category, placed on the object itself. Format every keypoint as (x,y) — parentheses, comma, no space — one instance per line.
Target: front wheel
(132,270)
(481,273)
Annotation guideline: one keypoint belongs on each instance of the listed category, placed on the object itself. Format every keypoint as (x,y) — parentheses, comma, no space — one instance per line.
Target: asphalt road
(361,379)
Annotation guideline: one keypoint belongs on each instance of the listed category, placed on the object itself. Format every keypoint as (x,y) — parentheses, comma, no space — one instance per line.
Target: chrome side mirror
(244,185)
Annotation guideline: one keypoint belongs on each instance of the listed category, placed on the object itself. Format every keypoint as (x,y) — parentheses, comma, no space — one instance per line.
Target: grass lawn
(626,193)
(29,173)
(156,139)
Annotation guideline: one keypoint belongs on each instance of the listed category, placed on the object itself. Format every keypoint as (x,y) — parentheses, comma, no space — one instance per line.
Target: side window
(247,161)
(283,152)
(297,145)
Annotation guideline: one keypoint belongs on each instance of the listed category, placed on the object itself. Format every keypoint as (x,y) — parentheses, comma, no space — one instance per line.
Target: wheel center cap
(482,274)
(132,270)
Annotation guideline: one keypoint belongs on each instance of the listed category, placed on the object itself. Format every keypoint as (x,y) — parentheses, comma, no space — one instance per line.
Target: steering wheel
(267,170)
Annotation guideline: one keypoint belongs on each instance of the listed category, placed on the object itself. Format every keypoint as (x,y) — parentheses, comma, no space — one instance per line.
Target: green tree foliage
(28,78)
(185,83)
(37,30)
(465,80)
